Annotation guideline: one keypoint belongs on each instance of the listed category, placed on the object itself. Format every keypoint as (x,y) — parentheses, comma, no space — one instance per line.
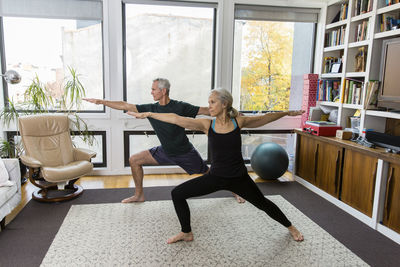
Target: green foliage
(266,77)
(37,97)
(73,91)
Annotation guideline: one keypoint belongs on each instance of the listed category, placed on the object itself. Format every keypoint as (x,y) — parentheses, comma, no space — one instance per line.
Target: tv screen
(389,96)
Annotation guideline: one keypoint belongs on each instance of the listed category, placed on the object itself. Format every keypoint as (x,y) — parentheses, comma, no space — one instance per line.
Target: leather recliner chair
(54,163)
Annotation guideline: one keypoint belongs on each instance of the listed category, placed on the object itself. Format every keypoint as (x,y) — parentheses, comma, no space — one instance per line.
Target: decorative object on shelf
(360,59)
(336,67)
(11,76)
(344,134)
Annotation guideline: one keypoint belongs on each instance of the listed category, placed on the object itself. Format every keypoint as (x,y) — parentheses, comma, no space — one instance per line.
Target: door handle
(373,183)
(387,195)
(337,171)
(316,162)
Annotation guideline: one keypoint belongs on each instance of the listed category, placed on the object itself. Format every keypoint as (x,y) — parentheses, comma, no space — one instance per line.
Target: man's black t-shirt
(172,137)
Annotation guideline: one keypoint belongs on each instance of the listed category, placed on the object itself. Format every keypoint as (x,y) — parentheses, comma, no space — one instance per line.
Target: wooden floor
(122,181)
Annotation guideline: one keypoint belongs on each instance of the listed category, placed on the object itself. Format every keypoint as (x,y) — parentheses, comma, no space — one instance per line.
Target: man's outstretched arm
(120,105)
(203,111)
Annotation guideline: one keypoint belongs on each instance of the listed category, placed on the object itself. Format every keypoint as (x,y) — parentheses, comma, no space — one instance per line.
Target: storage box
(321,128)
(344,135)
(310,76)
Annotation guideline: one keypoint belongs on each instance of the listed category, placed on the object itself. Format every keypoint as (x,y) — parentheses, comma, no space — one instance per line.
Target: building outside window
(169,41)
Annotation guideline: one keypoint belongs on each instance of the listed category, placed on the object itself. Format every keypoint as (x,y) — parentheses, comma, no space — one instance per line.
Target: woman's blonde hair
(226,98)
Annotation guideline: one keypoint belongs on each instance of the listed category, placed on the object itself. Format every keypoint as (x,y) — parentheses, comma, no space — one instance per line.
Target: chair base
(44,195)
(3,224)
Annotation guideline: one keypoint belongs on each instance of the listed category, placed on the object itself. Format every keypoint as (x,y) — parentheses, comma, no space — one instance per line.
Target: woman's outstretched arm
(184,122)
(257,121)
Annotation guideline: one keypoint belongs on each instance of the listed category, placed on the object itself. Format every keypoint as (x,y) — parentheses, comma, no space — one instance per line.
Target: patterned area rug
(226,234)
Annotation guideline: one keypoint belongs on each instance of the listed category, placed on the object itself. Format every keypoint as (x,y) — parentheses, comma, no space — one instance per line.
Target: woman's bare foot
(238,198)
(297,236)
(181,237)
(134,198)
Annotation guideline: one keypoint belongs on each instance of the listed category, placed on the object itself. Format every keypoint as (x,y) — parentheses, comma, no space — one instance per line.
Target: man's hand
(295,112)
(94,100)
(139,115)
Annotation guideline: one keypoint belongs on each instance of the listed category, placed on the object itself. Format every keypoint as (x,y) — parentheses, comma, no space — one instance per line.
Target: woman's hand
(94,100)
(139,115)
(295,112)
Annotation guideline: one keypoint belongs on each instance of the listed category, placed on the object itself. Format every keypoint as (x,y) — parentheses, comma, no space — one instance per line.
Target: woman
(227,171)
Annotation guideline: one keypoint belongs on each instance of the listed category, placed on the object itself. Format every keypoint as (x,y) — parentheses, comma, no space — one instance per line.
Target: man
(175,146)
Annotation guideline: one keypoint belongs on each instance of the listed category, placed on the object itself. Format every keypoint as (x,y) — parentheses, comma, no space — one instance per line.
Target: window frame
(4,66)
(314,37)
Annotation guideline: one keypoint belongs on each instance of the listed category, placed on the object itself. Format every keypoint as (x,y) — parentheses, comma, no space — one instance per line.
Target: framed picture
(336,67)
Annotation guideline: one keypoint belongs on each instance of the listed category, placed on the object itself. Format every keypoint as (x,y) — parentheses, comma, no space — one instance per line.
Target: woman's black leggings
(244,186)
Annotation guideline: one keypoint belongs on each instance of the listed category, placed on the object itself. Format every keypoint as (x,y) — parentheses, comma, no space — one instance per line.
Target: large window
(169,41)
(273,48)
(45,38)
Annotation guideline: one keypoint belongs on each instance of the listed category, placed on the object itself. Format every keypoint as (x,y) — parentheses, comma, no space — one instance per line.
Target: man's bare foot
(181,237)
(238,198)
(297,236)
(134,198)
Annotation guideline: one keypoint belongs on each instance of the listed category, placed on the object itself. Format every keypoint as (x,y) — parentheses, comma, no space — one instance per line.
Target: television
(389,93)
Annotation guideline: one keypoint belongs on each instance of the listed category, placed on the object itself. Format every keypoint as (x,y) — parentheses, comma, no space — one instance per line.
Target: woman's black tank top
(226,152)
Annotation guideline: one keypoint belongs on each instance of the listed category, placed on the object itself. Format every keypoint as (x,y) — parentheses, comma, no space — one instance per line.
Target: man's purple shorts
(191,162)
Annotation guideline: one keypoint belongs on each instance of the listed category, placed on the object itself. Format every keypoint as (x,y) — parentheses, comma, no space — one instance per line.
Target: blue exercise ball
(269,161)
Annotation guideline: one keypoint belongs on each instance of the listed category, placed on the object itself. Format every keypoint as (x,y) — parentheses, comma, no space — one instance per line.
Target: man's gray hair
(163,83)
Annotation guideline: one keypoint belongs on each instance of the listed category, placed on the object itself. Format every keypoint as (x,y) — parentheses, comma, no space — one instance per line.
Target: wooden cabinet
(391,212)
(349,172)
(329,165)
(306,158)
(319,163)
(358,180)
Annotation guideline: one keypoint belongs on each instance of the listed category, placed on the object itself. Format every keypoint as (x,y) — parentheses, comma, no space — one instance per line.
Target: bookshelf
(353,36)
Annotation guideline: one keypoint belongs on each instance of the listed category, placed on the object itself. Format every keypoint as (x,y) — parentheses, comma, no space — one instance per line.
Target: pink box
(307,83)
(310,87)
(310,76)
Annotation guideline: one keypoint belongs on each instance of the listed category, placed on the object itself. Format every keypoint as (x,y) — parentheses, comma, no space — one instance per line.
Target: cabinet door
(307,153)
(358,181)
(391,212)
(328,168)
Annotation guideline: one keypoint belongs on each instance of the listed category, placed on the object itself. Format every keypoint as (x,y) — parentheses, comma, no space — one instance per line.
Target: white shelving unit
(347,51)
(369,119)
